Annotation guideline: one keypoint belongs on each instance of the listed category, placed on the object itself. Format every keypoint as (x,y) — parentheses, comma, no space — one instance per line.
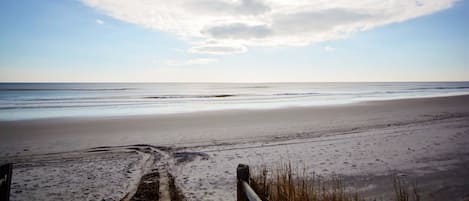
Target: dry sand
(365,142)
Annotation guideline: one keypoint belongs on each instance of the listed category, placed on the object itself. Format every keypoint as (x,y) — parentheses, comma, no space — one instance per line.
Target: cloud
(237,31)
(328,49)
(218,49)
(236,8)
(201,61)
(231,26)
(98,21)
(196,61)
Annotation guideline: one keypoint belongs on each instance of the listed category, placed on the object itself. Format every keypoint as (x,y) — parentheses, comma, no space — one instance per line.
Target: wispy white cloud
(217,48)
(231,26)
(201,61)
(98,21)
(196,61)
(328,49)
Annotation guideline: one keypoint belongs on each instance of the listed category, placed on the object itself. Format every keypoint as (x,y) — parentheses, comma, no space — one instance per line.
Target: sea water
(55,100)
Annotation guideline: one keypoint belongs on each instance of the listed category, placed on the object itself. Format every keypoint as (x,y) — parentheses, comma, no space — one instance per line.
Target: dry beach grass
(294,184)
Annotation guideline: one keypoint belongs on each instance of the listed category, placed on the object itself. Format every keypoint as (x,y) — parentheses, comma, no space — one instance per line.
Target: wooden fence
(5,181)
(244,191)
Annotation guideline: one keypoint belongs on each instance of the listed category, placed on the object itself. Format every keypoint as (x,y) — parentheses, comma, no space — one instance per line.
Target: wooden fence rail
(5,181)
(244,191)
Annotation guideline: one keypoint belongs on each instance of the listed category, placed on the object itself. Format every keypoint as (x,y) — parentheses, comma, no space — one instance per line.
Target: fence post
(5,181)
(242,174)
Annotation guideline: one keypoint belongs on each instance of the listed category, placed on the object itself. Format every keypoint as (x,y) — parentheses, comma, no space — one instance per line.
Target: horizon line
(196,82)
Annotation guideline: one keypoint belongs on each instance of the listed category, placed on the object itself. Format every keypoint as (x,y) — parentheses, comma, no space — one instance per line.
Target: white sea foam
(46,100)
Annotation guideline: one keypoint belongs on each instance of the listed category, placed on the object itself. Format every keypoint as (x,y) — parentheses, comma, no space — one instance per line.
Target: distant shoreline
(22,82)
(227,124)
(132,116)
(28,101)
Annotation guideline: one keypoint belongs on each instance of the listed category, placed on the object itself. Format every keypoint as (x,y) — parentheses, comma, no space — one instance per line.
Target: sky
(234,40)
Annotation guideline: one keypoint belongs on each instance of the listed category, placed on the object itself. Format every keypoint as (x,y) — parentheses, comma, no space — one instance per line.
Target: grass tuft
(285,183)
(401,190)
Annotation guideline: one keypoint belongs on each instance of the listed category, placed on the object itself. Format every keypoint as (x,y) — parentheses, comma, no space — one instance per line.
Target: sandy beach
(105,158)
(201,100)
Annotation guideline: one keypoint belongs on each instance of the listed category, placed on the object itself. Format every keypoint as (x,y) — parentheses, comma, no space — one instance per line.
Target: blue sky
(103,41)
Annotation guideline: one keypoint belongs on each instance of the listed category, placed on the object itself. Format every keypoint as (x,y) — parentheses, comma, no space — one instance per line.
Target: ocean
(20,101)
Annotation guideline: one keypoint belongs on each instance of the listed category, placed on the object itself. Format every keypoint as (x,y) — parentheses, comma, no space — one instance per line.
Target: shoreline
(208,111)
(205,128)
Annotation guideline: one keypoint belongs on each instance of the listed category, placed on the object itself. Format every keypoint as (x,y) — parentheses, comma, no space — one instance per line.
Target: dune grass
(401,190)
(284,183)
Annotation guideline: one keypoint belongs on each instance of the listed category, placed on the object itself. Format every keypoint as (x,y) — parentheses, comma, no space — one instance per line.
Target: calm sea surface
(50,100)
